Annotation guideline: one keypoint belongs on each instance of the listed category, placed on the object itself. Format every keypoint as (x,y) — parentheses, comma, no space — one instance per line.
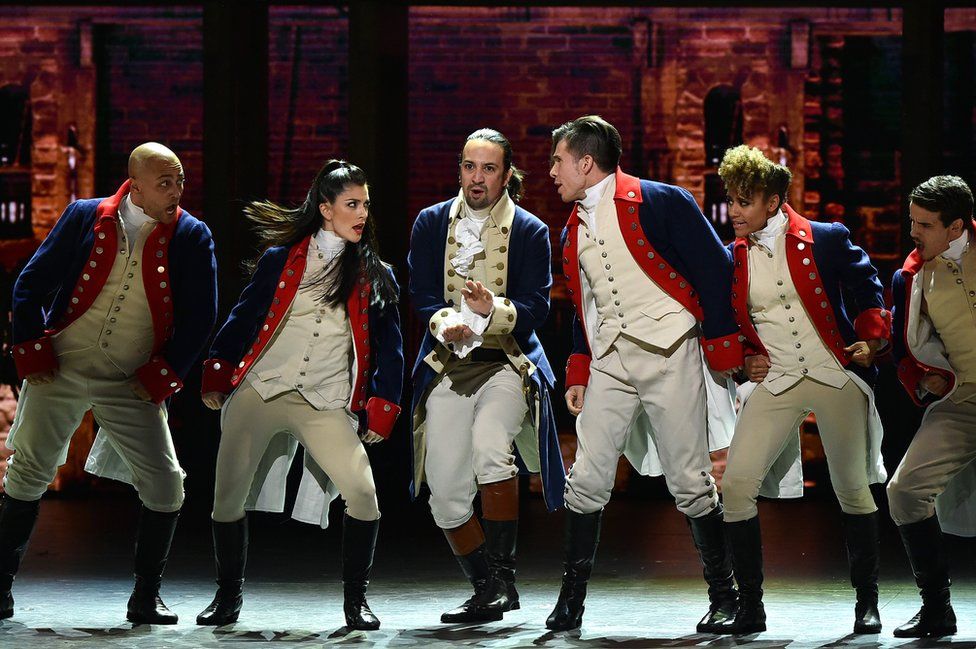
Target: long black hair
(281,226)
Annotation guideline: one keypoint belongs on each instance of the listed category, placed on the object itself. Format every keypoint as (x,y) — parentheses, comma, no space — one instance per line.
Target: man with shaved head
(109,315)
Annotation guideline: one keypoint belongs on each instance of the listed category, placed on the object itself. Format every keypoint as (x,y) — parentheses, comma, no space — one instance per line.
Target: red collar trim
(627,188)
(109,207)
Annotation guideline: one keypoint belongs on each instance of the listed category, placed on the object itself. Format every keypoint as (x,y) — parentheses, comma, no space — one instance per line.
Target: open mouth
(171,209)
(358,229)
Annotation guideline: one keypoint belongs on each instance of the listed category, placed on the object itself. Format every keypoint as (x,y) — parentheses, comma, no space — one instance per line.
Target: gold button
(498,281)
(450,287)
(500,266)
(504,249)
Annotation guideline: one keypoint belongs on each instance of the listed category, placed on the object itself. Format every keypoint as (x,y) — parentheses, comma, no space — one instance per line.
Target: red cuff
(381,415)
(724,353)
(33,356)
(217,376)
(577,370)
(910,374)
(873,324)
(159,379)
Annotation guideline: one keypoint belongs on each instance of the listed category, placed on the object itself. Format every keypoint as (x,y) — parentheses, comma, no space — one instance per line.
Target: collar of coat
(627,191)
(109,207)
(797,227)
(501,214)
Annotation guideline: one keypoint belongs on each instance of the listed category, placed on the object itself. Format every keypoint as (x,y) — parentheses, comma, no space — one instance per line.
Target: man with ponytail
(479,281)
(109,315)
(310,354)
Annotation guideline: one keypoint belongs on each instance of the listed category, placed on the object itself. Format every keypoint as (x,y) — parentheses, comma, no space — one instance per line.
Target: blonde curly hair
(746,170)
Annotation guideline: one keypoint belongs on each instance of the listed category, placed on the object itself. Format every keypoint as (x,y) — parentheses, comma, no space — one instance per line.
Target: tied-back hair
(515,183)
(276,225)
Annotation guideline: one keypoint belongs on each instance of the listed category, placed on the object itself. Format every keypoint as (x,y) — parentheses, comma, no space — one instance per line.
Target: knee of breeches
(162,493)
(25,479)
(362,499)
(904,498)
(856,501)
(450,512)
(490,455)
(739,492)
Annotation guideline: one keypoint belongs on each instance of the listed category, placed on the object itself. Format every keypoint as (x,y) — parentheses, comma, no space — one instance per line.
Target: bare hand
(457,333)
(42,378)
(140,390)
(719,460)
(214,400)
(756,368)
(369,437)
(863,352)
(935,384)
(478,298)
(574,399)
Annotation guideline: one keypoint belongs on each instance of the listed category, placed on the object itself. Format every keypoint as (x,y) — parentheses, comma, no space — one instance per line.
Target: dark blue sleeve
(247,315)
(426,266)
(857,273)
(898,316)
(44,274)
(532,281)
(708,262)
(386,381)
(195,309)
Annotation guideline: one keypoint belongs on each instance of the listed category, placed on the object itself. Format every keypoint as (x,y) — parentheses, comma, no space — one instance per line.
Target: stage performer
(310,354)
(479,280)
(934,295)
(109,315)
(803,354)
(648,276)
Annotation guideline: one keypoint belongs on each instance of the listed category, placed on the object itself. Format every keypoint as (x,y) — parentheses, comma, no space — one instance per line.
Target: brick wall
(151,73)
(308,101)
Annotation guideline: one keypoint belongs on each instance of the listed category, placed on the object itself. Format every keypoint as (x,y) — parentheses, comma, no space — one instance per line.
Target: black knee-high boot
(863,555)
(358,546)
(467,542)
(708,533)
(17,519)
(924,545)
(499,503)
(745,542)
(582,538)
(153,541)
(230,553)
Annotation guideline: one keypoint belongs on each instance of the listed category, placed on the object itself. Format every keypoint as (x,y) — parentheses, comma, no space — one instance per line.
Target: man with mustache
(648,276)
(934,336)
(479,279)
(109,315)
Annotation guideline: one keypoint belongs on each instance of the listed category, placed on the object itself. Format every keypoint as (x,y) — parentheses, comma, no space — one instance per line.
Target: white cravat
(587,206)
(133,218)
(957,248)
(775,226)
(329,244)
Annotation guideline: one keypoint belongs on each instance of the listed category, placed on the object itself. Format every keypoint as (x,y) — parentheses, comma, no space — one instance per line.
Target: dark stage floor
(646,590)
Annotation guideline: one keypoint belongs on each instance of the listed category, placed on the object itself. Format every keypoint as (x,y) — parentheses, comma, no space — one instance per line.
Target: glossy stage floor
(646,590)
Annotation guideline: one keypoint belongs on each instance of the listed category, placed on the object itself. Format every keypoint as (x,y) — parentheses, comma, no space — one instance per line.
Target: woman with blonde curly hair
(810,306)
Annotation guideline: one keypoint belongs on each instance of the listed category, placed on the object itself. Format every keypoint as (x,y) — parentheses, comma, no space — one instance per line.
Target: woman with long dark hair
(313,342)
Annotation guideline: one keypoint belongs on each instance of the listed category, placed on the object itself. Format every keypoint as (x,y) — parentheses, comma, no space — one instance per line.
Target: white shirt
(133,218)
(957,248)
(587,206)
(775,226)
